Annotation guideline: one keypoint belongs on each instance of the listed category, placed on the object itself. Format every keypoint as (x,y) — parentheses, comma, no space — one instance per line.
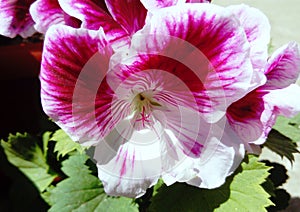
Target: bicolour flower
(253,116)
(155,109)
(15,18)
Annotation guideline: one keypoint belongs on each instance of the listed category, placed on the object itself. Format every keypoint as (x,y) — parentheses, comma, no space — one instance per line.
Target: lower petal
(129,161)
(220,158)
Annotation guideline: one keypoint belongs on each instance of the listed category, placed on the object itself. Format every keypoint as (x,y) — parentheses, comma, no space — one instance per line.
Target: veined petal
(130,14)
(93,17)
(46,13)
(16,19)
(257,29)
(283,67)
(220,158)
(284,101)
(73,86)
(217,72)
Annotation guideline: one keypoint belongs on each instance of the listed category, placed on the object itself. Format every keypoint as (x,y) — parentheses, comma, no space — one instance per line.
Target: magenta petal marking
(245,116)
(130,14)
(15,18)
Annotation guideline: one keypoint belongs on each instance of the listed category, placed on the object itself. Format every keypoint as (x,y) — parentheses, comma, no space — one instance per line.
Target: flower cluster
(177,90)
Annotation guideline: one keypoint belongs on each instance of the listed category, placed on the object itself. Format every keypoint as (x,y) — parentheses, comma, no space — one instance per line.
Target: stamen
(144,117)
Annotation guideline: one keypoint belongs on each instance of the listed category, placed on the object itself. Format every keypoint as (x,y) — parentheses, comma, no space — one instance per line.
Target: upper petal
(283,67)
(74,91)
(93,16)
(174,37)
(16,19)
(46,13)
(257,29)
(130,14)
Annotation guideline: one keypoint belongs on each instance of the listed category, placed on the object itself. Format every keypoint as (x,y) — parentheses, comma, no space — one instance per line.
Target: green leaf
(281,145)
(83,191)
(246,192)
(64,144)
(157,186)
(289,127)
(241,192)
(24,152)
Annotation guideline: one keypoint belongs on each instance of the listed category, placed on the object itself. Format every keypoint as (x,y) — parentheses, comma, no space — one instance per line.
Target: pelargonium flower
(155,109)
(253,116)
(15,18)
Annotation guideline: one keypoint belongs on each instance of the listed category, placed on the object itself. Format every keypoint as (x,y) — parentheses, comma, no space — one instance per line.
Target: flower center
(142,106)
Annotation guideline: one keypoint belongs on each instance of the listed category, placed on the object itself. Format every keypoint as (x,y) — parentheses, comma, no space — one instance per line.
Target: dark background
(20,111)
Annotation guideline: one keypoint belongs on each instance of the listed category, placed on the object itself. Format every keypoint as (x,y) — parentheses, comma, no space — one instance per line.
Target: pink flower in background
(154,110)
(253,116)
(15,18)
(119,19)
(46,13)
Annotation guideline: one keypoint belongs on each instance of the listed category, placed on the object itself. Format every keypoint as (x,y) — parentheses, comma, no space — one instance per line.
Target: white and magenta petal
(175,36)
(46,13)
(93,16)
(15,18)
(73,86)
(257,29)
(283,67)
(129,14)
